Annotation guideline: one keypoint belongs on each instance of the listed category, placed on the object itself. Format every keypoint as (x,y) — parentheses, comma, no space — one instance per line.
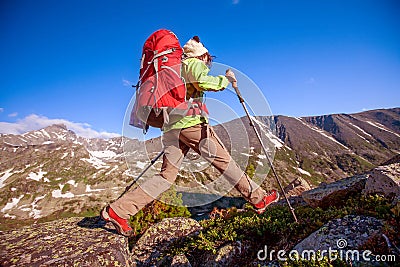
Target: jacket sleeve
(198,73)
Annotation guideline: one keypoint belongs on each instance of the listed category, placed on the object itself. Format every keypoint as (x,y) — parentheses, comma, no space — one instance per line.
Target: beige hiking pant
(202,139)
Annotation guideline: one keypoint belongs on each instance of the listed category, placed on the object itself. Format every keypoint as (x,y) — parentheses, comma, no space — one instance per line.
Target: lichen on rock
(66,242)
(149,248)
(384,180)
(349,232)
(334,193)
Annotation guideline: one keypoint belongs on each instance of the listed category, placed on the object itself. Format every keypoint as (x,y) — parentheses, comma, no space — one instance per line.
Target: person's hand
(230,76)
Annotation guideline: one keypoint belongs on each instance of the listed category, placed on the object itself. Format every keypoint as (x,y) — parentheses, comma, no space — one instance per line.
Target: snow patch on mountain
(32,208)
(10,144)
(361,130)
(141,165)
(14,202)
(106,154)
(380,126)
(7,174)
(47,143)
(323,133)
(36,176)
(45,133)
(129,173)
(278,143)
(72,182)
(89,190)
(58,194)
(303,171)
(113,169)
(96,162)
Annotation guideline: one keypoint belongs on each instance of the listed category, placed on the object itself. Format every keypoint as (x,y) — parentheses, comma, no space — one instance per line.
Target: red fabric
(162,87)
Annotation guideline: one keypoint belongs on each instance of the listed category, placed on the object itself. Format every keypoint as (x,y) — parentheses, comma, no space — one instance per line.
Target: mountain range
(52,172)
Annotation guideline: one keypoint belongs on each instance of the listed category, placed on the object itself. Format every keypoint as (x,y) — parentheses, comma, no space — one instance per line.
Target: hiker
(189,132)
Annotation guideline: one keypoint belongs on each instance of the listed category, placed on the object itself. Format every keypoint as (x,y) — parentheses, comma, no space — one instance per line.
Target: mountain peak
(57,126)
(56,129)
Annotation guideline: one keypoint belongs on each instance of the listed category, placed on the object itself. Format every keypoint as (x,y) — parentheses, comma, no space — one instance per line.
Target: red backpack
(160,92)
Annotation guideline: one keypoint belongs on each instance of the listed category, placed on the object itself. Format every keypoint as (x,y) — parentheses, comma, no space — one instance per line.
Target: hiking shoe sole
(262,210)
(106,217)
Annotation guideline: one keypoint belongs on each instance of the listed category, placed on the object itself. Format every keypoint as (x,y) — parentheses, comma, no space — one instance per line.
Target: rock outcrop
(334,193)
(180,261)
(156,239)
(384,180)
(66,242)
(89,242)
(349,232)
(227,255)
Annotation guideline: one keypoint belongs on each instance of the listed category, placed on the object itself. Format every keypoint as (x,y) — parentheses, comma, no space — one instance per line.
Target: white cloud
(235,2)
(1,110)
(36,122)
(126,83)
(15,114)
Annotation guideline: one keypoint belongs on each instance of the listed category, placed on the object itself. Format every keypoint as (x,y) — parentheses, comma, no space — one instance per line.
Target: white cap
(194,48)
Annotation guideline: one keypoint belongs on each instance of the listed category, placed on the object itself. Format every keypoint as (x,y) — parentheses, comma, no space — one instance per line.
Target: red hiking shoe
(121,224)
(268,199)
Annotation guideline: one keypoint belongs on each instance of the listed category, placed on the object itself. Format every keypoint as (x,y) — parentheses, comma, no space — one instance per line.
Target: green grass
(157,210)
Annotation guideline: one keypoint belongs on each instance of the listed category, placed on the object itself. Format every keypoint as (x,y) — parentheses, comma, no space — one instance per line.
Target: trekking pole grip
(234,85)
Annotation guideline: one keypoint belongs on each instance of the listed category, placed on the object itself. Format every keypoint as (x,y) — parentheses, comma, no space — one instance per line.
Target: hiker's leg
(174,153)
(215,152)
(134,200)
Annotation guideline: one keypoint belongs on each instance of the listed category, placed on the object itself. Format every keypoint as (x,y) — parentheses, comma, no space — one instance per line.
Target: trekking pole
(142,173)
(241,100)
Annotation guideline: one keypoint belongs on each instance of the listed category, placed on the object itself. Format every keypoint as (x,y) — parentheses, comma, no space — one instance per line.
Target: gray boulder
(347,233)
(180,261)
(384,180)
(156,240)
(227,255)
(66,242)
(334,193)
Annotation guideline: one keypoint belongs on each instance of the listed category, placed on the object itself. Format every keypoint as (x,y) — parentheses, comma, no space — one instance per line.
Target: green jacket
(195,75)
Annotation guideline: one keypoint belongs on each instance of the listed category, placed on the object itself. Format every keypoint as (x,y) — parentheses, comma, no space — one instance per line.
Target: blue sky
(72,61)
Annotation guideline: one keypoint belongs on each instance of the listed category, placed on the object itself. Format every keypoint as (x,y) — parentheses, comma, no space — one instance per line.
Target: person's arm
(198,73)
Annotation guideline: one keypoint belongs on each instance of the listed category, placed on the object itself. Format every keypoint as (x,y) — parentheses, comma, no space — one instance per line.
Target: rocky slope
(53,173)
(67,242)
(330,147)
(90,242)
